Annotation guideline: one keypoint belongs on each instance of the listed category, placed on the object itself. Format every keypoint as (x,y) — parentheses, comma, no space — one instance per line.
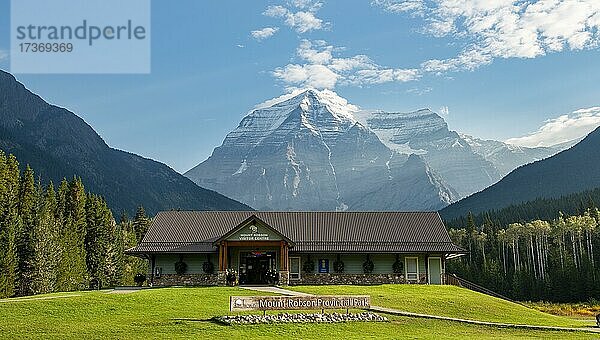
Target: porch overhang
(250,221)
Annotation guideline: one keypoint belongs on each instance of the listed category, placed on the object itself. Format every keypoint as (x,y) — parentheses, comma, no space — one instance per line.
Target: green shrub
(180,267)
(208,267)
(398,266)
(308,266)
(338,265)
(139,279)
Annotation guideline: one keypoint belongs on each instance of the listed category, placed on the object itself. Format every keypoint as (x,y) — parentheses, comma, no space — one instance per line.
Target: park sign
(248,303)
(254,232)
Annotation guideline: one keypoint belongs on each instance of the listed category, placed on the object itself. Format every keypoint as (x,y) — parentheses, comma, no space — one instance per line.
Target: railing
(452,279)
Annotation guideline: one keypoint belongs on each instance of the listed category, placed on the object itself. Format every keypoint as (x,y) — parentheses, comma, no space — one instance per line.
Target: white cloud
(307,4)
(276,11)
(264,33)
(304,22)
(348,64)
(378,76)
(562,129)
(420,90)
(399,6)
(493,29)
(444,111)
(468,60)
(270,102)
(3,55)
(301,21)
(312,55)
(317,76)
(321,69)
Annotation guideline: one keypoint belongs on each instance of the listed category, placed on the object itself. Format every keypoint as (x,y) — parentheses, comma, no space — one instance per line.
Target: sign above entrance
(246,303)
(254,232)
(253,235)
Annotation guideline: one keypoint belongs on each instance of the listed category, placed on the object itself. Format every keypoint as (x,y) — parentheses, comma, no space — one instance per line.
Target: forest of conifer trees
(60,239)
(554,260)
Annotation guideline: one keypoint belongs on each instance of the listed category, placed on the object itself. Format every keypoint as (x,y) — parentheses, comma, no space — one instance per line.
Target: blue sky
(501,69)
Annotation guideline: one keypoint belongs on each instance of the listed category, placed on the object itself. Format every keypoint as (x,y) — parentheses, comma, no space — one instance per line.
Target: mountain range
(571,171)
(312,150)
(58,144)
(308,150)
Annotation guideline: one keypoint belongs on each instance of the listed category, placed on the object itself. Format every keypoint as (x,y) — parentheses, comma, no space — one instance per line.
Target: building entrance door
(255,267)
(435,270)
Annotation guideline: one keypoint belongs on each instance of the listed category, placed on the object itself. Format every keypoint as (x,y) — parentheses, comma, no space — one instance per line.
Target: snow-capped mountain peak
(309,100)
(332,100)
(322,112)
(312,150)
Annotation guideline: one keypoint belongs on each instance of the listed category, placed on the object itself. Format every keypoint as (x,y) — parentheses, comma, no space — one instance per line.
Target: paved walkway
(21,299)
(282,291)
(124,290)
(483,323)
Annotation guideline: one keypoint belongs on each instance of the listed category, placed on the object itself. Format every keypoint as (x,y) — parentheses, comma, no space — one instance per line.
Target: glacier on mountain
(312,150)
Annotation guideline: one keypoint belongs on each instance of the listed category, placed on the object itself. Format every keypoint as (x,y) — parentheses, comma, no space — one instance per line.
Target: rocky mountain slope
(307,152)
(312,150)
(465,163)
(57,144)
(571,171)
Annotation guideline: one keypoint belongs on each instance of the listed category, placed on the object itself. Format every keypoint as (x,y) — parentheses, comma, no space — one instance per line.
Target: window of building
(412,268)
(295,268)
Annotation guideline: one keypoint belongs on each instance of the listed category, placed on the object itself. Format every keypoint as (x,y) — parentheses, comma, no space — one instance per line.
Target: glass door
(294,268)
(435,271)
(412,269)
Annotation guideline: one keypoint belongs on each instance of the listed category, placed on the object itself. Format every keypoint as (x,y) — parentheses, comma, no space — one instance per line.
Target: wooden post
(152,269)
(287,257)
(225,259)
(281,257)
(284,257)
(221,258)
(426,270)
(443,269)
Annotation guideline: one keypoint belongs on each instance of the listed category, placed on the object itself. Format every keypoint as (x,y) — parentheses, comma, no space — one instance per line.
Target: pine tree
(131,265)
(113,267)
(141,222)
(54,241)
(72,267)
(9,260)
(62,196)
(27,202)
(103,248)
(47,252)
(95,242)
(10,224)
(470,230)
(124,218)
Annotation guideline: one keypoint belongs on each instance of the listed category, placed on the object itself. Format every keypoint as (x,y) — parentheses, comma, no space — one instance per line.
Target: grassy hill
(450,301)
(151,314)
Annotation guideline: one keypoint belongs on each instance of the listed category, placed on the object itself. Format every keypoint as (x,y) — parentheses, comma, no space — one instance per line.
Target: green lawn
(150,314)
(448,301)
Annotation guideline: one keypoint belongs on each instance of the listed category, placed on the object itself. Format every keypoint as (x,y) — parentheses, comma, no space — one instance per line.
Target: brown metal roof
(194,231)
